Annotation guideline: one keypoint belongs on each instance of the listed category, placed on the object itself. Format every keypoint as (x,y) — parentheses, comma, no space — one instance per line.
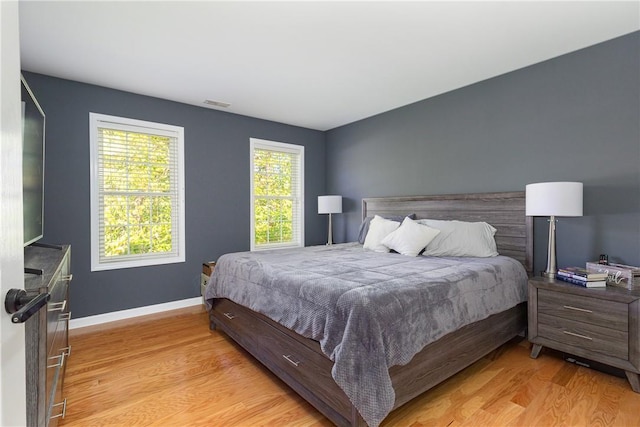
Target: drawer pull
(573,334)
(290,360)
(64,409)
(67,350)
(57,306)
(229,316)
(67,278)
(577,309)
(65,316)
(60,360)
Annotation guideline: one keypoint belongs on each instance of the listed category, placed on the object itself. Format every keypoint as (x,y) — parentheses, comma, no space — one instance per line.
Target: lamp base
(330,240)
(551,269)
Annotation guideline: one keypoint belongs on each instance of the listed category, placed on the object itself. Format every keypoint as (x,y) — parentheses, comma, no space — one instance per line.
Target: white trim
(99,319)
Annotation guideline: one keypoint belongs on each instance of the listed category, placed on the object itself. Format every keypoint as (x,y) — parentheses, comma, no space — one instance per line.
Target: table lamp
(329,205)
(553,199)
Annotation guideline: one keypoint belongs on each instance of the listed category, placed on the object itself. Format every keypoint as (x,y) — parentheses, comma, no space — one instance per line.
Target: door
(12,350)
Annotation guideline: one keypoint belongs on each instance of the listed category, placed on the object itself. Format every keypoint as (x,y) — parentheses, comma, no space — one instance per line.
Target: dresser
(600,324)
(47,269)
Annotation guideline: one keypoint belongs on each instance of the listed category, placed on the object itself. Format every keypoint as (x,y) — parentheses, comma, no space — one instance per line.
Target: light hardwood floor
(171,370)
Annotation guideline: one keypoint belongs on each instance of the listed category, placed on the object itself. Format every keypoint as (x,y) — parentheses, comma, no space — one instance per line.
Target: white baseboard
(99,319)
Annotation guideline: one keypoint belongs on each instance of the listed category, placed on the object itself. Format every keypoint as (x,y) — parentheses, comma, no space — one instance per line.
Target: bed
(324,370)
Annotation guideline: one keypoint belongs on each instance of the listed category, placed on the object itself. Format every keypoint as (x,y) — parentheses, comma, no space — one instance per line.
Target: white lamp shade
(554,198)
(329,204)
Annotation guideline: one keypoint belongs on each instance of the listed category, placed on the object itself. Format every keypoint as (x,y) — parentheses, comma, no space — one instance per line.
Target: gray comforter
(368,310)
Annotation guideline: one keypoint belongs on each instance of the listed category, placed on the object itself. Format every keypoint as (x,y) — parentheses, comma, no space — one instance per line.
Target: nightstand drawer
(584,335)
(594,311)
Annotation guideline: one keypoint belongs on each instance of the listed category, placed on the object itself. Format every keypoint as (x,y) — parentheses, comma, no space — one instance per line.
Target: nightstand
(207,270)
(600,324)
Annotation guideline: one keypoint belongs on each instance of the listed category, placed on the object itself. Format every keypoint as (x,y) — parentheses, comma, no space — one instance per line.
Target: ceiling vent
(219,104)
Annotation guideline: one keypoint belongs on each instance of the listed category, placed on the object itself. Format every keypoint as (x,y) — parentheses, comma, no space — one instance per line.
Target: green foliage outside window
(136,180)
(274,175)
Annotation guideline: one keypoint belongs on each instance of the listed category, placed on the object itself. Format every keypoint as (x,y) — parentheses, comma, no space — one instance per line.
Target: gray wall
(576,117)
(572,118)
(217,188)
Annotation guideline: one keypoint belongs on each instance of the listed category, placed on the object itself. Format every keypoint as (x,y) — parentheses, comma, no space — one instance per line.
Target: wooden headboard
(504,211)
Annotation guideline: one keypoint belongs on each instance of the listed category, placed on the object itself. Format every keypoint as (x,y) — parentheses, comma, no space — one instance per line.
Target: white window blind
(137,193)
(277,202)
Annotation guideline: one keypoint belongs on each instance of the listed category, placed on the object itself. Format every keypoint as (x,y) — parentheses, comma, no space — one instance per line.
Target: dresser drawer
(587,336)
(594,311)
(57,404)
(60,346)
(57,307)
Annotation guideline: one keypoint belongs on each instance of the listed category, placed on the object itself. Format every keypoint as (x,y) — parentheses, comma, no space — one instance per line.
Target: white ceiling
(313,64)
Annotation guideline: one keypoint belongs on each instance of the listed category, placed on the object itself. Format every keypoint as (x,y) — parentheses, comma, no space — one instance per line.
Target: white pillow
(379,228)
(410,238)
(459,238)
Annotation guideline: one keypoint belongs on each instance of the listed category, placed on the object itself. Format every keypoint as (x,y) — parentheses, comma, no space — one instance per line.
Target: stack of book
(581,277)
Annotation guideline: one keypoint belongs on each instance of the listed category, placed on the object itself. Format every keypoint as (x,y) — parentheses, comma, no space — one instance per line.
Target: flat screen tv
(32,165)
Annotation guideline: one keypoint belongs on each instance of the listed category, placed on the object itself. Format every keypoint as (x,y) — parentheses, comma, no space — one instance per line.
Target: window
(137,193)
(277,197)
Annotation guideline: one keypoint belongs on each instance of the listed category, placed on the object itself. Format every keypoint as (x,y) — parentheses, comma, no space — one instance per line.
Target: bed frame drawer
(236,322)
(296,360)
(286,357)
